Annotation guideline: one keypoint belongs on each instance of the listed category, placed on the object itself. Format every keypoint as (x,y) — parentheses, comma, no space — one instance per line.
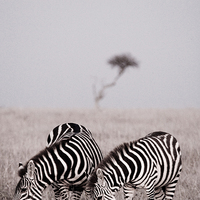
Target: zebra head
(28,187)
(102,191)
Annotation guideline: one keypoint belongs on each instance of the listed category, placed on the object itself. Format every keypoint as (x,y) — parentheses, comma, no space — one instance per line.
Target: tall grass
(24,131)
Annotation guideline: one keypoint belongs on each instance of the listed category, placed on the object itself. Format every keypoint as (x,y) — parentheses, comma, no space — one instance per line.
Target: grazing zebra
(65,164)
(152,162)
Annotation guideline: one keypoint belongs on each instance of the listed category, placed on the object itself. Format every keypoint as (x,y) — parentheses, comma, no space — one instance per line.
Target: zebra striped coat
(65,131)
(66,163)
(152,163)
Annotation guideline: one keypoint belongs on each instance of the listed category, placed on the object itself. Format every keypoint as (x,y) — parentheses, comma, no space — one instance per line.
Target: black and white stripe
(65,131)
(66,165)
(152,163)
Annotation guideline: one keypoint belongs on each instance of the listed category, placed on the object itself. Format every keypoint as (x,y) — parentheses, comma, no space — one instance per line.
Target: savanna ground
(24,131)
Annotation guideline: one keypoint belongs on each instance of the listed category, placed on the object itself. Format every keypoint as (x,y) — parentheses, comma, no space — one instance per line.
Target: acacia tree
(122,62)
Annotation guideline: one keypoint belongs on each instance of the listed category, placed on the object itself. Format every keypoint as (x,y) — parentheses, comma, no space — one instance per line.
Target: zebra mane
(108,160)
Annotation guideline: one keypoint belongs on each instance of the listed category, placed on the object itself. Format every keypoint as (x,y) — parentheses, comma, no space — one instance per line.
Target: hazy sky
(52,52)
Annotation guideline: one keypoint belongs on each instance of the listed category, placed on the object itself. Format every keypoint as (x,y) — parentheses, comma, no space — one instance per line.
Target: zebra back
(65,132)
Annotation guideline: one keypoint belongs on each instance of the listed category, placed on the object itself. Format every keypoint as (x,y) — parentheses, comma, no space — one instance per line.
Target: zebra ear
(100,177)
(21,170)
(30,169)
(99,173)
(20,164)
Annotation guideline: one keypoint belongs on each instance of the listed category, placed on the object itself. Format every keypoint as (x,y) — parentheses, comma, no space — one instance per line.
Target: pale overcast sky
(52,52)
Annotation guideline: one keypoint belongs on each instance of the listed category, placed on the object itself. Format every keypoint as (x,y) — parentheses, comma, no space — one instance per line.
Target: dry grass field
(24,131)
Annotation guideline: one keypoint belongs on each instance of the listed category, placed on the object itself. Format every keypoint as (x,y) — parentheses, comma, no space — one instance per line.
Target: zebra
(152,163)
(65,164)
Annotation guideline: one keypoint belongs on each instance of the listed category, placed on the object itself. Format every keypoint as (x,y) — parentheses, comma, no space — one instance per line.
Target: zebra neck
(40,180)
(114,179)
(42,177)
(52,165)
